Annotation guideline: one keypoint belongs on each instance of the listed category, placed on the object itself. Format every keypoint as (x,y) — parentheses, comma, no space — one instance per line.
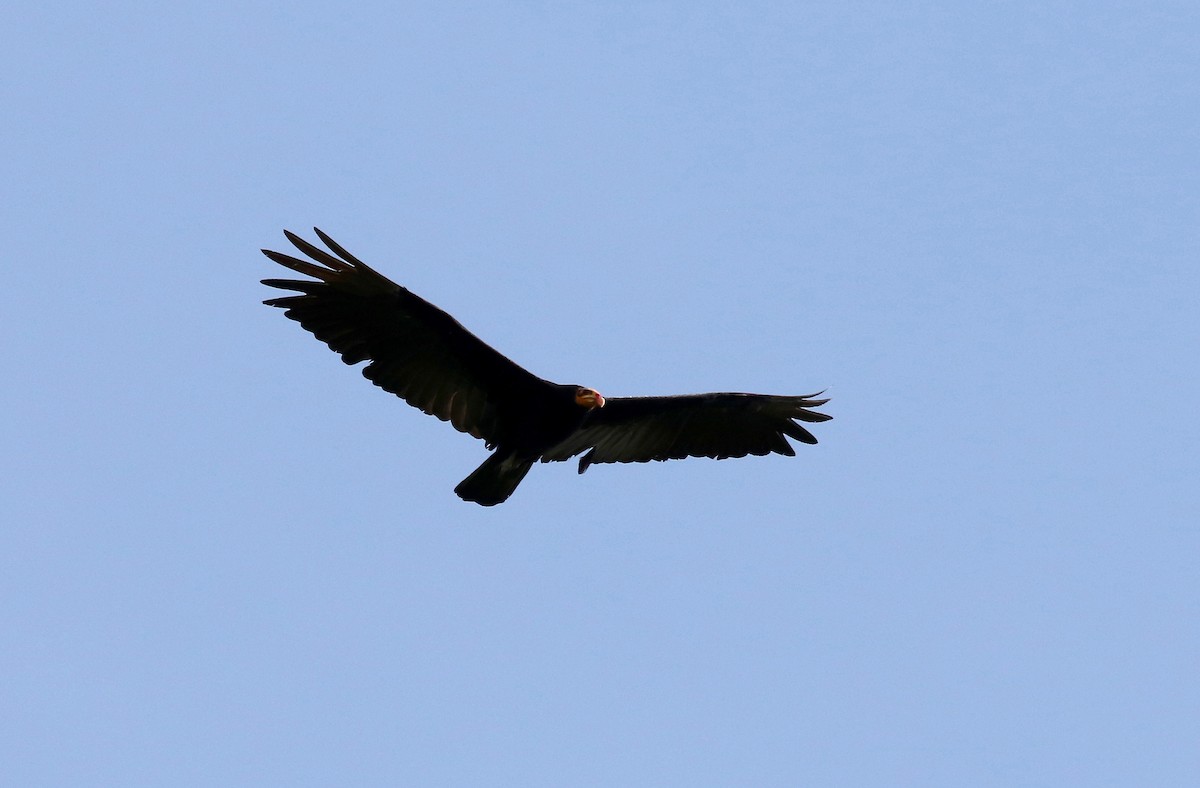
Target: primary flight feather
(427,358)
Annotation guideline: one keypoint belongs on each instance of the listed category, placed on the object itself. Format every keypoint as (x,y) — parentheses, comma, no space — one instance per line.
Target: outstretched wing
(640,429)
(413,349)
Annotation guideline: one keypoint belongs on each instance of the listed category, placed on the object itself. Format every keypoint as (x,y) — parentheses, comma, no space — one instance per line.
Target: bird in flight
(427,358)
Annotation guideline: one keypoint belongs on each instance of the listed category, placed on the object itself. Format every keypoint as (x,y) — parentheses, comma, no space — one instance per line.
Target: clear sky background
(226,559)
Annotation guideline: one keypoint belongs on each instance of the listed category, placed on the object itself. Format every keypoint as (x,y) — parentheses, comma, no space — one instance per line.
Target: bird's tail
(495,480)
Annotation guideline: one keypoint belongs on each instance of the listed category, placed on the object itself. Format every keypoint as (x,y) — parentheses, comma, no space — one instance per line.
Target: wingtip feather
(338,250)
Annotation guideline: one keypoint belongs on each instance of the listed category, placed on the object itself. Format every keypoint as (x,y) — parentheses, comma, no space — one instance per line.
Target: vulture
(427,358)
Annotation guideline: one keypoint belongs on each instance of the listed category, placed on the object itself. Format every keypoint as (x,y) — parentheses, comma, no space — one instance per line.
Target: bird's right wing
(640,429)
(413,349)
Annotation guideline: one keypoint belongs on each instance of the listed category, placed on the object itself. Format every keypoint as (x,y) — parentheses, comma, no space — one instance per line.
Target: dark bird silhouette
(424,356)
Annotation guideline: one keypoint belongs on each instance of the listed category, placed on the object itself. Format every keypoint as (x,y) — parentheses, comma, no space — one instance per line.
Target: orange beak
(589,398)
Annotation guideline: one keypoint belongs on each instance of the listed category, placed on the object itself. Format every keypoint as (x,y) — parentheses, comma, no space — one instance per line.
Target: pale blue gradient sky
(226,559)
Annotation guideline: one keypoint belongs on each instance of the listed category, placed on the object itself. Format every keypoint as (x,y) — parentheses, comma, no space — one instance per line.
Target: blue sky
(226,559)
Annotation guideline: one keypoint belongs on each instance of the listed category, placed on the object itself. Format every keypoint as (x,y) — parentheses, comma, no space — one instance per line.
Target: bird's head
(588,398)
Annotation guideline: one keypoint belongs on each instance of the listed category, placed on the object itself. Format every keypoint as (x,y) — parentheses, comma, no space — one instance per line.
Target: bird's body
(427,358)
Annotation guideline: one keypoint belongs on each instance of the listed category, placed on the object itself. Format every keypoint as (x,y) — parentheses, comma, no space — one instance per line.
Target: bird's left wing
(413,349)
(640,429)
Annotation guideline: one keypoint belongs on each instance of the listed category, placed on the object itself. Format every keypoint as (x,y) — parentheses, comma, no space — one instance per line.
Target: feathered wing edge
(367,280)
(718,425)
(414,349)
